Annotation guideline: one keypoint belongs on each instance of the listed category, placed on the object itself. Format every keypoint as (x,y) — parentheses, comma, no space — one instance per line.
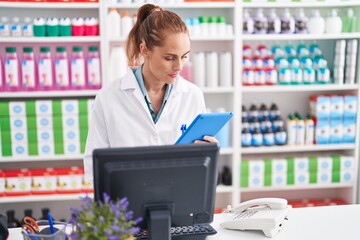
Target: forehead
(177,43)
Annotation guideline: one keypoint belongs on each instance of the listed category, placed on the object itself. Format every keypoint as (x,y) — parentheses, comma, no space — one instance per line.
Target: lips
(174,75)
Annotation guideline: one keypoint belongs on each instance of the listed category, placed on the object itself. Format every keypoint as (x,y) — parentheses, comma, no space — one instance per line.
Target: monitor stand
(159,223)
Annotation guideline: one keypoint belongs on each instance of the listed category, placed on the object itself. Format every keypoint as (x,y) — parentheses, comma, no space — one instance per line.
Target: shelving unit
(231,98)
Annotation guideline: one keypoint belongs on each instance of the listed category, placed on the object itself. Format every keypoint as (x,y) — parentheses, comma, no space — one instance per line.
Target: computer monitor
(168,186)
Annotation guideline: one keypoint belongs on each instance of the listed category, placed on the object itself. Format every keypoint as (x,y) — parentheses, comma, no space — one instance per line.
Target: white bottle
(4,27)
(333,23)
(15,27)
(113,23)
(212,70)
(199,69)
(309,131)
(274,23)
(126,24)
(287,22)
(27,27)
(301,22)
(260,22)
(118,63)
(225,66)
(248,23)
(316,24)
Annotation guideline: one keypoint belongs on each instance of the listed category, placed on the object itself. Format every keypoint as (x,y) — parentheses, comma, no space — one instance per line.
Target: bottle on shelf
(45,71)
(309,130)
(301,22)
(248,23)
(126,24)
(316,24)
(257,136)
(260,22)
(91,26)
(52,27)
(27,213)
(27,27)
(226,177)
(77,68)
(274,23)
(280,135)
(287,22)
(12,222)
(28,73)
(333,23)
(61,69)
(300,130)
(225,69)
(268,136)
(65,27)
(15,28)
(4,27)
(349,21)
(93,68)
(113,25)
(199,69)
(39,28)
(291,129)
(11,70)
(77,26)
(212,71)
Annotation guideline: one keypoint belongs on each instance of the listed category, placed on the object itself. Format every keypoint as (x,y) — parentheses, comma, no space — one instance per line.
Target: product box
(322,132)
(347,176)
(18,123)
(347,163)
(20,149)
(69,180)
(279,179)
(45,135)
(17,109)
(324,164)
(43,181)
(336,132)
(19,136)
(256,167)
(2,183)
(301,164)
(17,182)
(46,149)
(301,178)
(324,177)
(336,108)
(43,108)
(320,107)
(87,187)
(349,132)
(69,107)
(256,180)
(350,108)
(279,166)
(70,122)
(44,122)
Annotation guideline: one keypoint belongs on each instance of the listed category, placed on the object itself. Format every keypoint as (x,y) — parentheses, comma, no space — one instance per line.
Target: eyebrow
(170,54)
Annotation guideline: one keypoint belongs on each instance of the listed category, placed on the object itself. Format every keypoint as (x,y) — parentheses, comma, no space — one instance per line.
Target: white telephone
(266,214)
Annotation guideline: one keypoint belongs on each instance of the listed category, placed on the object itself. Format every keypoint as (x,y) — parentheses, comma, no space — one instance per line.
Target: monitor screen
(173,184)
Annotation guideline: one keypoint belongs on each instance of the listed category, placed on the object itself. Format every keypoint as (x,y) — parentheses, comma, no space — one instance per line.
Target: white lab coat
(121,117)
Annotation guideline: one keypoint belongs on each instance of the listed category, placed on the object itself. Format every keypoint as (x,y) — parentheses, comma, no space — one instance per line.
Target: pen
(52,230)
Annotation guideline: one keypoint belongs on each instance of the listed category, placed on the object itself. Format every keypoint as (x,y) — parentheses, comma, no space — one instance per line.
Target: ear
(143,50)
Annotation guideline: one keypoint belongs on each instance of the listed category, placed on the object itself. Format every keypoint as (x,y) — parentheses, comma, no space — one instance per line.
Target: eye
(169,58)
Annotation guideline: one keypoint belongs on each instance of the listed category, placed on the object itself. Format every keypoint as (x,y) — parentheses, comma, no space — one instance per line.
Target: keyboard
(192,232)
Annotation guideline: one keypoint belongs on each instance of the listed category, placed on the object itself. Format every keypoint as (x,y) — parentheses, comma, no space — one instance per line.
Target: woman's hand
(207,139)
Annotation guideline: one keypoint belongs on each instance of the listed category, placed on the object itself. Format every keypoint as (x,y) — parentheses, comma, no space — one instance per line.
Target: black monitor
(168,186)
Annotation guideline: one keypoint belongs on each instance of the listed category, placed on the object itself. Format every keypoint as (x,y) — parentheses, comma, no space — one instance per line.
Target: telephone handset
(266,214)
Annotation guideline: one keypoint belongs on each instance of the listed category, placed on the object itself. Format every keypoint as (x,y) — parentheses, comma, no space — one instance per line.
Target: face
(163,64)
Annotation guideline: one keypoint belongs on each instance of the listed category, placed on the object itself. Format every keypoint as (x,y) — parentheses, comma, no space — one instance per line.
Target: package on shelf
(43,181)
(336,131)
(350,108)
(349,131)
(87,186)
(17,182)
(2,183)
(315,202)
(69,180)
(320,107)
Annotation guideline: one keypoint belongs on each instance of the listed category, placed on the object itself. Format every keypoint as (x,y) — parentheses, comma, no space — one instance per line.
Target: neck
(152,84)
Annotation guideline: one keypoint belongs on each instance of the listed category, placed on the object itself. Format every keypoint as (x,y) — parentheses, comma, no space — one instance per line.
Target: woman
(150,103)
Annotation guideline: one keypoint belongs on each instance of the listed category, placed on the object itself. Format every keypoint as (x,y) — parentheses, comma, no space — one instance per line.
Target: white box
(301,164)
(19,149)
(324,177)
(336,132)
(347,163)
(279,179)
(43,107)
(350,107)
(19,137)
(301,178)
(18,123)
(322,132)
(69,107)
(71,147)
(71,135)
(256,180)
(349,132)
(45,135)
(347,176)
(44,122)
(44,183)
(336,108)
(46,149)
(70,121)
(256,167)
(279,166)
(324,164)
(17,109)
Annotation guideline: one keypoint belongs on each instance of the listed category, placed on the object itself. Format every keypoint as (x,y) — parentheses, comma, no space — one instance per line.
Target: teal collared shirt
(140,80)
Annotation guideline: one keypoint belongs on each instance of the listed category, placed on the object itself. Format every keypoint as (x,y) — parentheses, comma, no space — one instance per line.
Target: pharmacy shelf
(42,198)
(324,4)
(298,187)
(82,39)
(40,5)
(176,5)
(49,94)
(33,159)
(299,88)
(195,39)
(297,37)
(224,189)
(226,151)
(218,90)
(305,148)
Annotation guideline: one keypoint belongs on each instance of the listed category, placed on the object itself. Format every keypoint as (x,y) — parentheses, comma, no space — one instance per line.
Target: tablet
(205,124)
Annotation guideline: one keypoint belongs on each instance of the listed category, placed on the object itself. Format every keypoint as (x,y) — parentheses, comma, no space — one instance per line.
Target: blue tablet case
(205,124)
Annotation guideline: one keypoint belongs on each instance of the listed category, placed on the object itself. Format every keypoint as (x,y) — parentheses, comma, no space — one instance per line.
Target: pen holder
(44,232)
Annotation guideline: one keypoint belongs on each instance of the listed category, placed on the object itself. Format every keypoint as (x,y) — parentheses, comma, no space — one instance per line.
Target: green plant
(103,220)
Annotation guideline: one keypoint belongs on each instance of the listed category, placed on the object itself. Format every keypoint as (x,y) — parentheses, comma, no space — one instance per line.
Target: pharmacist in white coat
(150,103)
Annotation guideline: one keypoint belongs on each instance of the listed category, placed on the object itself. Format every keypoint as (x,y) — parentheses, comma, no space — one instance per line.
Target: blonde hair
(150,28)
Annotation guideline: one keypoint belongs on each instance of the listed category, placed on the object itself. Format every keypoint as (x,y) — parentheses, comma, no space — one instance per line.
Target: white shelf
(224,189)
(41,158)
(305,148)
(296,37)
(218,90)
(326,4)
(226,151)
(299,187)
(83,39)
(176,5)
(194,39)
(42,198)
(299,88)
(52,94)
(40,5)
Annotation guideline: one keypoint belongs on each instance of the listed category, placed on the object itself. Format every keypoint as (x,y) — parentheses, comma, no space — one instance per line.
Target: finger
(210,139)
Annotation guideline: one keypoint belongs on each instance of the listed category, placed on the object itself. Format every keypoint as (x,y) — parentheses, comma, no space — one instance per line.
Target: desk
(316,223)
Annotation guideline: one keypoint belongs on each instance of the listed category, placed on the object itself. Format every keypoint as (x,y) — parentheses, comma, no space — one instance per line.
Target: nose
(178,64)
